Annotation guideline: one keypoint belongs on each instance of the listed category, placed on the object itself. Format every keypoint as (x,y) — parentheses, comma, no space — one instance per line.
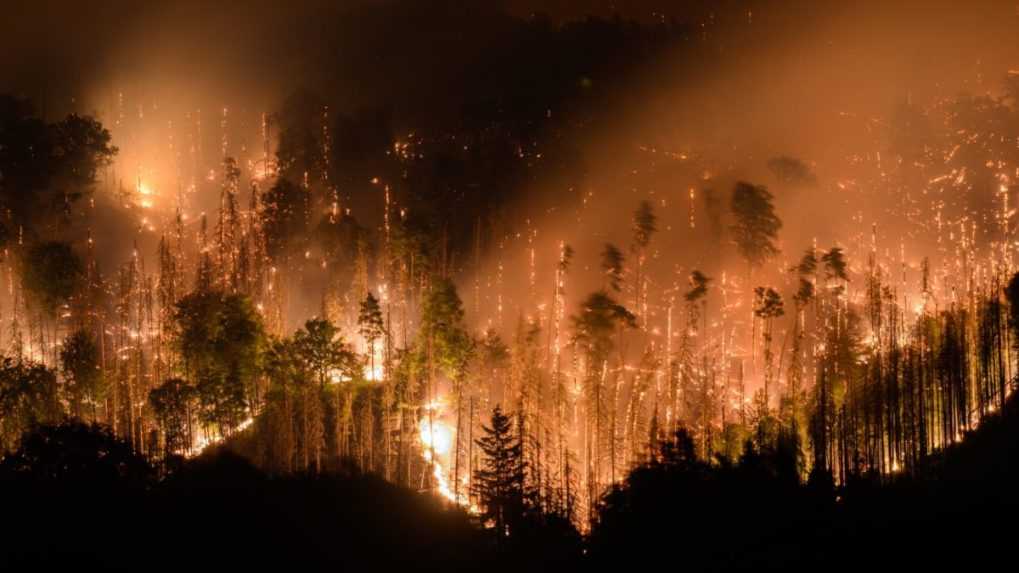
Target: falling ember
(693,201)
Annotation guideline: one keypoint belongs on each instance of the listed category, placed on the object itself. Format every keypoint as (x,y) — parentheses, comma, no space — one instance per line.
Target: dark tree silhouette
(612,266)
(1012,295)
(285,219)
(28,396)
(499,483)
(756,226)
(371,326)
(74,453)
(52,274)
(792,171)
(80,363)
(46,167)
(221,339)
(173,403)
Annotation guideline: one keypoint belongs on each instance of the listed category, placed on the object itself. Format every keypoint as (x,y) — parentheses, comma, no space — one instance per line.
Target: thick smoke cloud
(755,80)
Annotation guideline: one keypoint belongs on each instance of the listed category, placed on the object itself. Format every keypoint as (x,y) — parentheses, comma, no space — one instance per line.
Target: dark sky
(59,50)
(69,33)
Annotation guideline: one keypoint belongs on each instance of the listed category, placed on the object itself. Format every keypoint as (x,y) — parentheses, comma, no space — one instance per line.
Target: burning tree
(451,348)
(601,319)
(768,306)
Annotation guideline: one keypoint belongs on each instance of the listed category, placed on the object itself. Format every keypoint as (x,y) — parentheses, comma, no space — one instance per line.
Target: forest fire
(145,193)
(436,439)
(663,262)
(205,441)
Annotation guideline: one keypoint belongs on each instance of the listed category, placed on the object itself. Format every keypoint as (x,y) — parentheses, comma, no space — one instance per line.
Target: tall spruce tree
(499,483)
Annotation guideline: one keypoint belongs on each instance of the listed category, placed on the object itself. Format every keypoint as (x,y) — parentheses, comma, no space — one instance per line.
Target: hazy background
(754,80)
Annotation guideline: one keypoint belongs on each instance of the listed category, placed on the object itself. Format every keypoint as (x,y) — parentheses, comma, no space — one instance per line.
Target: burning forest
(556,289)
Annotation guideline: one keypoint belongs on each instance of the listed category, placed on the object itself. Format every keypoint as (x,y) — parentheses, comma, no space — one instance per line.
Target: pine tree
(499,483)
(695,384)
(1012,296)
(767,307)
(370,326)
(593,330)
(644,227)
(612,266)
(756,226)
(805,294)
(227,225)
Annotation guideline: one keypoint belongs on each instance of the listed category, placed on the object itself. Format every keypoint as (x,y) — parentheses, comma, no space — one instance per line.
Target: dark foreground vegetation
(84,500)
(757,515)
(75,496)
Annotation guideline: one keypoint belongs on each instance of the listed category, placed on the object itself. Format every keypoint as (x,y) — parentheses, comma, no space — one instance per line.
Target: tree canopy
(756,227)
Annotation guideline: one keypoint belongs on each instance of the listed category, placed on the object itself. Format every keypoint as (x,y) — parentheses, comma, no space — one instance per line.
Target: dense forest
(450,332)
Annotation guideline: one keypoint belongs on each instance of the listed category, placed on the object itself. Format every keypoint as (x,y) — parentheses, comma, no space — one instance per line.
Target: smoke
(812,82)
(752,81)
